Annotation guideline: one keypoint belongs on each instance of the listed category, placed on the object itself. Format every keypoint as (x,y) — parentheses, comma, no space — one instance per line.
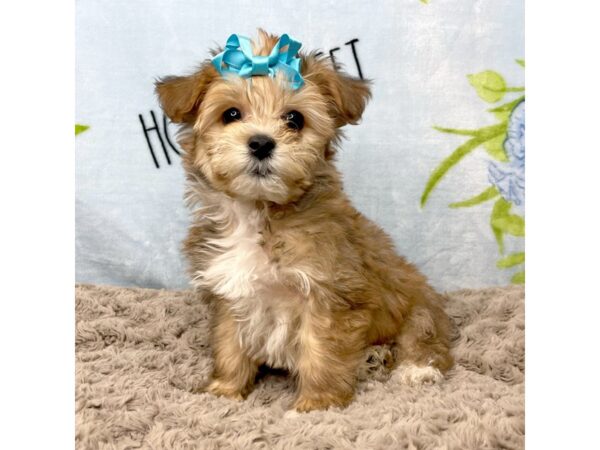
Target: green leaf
(490,85)
(447,164)
(518,278)
(495,148)
(424,1)
(520,62)
(508,106)
(510,224)
(80,128)
(486,195)
(501,209)
(511,260)
(503,111)
(502,116)
(499,239)
(483,134)
(461,132)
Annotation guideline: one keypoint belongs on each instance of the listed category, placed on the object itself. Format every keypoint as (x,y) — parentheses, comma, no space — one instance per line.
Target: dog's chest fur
(241,272)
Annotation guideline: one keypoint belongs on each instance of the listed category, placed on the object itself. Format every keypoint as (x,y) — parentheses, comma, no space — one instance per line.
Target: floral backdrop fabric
(438,159)
(505,144)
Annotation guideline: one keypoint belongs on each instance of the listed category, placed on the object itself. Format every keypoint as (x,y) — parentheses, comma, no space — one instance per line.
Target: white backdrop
(129,208)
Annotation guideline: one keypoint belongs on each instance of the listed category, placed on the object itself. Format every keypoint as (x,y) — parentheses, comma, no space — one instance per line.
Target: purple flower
(509,177)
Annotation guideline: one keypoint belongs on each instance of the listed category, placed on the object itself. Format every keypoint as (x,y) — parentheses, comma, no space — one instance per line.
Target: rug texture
(141,353)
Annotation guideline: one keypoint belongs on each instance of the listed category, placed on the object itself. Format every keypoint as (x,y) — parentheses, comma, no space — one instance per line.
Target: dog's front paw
(309,404)
(414,375)
(306,404)
(222,389)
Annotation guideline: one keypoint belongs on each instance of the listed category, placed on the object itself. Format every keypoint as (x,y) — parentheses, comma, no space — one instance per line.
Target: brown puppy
(297,278)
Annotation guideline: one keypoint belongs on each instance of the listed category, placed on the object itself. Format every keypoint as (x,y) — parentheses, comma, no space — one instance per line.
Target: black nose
(261,146)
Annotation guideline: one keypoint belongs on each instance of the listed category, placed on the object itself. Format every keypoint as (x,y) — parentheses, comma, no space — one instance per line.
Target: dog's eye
(231,115)
(294,120)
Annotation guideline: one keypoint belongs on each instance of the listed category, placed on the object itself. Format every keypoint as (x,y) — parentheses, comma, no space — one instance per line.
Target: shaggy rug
(140,354)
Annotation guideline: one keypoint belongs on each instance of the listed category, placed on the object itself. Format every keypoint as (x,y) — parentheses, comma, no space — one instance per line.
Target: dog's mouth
(261,170)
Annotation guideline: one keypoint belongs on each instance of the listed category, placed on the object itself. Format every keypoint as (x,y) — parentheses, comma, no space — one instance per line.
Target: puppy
(295,276)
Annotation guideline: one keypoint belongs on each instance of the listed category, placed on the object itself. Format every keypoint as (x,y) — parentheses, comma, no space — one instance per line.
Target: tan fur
(299,278)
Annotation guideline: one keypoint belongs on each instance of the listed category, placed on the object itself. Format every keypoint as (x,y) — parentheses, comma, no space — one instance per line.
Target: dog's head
(257,138)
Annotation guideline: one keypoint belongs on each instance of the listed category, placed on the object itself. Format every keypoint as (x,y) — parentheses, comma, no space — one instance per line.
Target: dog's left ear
(180,97)
(347,96)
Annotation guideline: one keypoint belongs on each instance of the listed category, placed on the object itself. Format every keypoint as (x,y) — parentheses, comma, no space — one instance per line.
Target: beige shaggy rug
(141,352)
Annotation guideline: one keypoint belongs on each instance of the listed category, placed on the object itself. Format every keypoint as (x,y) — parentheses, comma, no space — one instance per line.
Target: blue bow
(237,58)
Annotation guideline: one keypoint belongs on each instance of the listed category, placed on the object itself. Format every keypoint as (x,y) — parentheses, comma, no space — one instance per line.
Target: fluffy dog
(295,276)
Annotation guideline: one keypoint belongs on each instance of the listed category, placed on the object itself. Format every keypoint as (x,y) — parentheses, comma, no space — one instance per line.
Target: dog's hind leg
(422,350)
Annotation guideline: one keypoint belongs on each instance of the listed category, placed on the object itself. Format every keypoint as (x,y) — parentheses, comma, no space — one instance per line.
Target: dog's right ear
(180,97)
(346,96)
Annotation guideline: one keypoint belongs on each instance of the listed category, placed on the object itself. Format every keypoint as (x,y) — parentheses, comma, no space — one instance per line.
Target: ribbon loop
(237,58)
